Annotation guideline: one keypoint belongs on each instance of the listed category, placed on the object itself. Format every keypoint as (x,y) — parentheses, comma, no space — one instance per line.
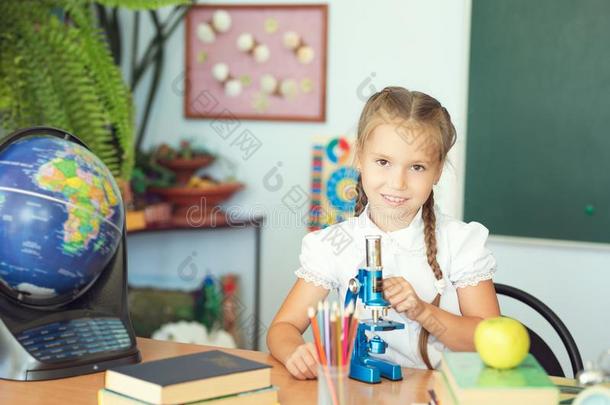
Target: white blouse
(332,256)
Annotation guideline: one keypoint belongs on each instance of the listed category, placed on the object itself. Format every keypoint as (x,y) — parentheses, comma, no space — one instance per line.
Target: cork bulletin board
(260,62)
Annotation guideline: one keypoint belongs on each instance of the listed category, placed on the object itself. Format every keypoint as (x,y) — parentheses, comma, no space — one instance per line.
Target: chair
(539,349)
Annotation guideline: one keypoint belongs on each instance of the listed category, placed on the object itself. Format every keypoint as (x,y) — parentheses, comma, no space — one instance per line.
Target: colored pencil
(352,304)
(352,336)
(321,325)
(327,333)
(333,338)
(344,336)
(316,335)
(338,333)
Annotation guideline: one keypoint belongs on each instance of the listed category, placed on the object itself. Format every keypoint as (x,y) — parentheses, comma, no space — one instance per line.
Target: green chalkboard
(538,141)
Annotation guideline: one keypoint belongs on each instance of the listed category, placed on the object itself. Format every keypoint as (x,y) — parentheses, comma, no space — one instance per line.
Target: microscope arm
(350,298)
(353,291)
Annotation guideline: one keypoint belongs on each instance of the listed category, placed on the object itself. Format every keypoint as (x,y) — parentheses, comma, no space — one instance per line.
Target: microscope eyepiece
(373,251)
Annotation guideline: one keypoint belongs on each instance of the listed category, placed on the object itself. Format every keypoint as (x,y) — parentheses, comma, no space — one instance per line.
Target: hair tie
(440,285)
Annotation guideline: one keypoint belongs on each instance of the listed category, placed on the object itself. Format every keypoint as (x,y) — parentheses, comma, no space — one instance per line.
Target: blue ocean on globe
(61,219)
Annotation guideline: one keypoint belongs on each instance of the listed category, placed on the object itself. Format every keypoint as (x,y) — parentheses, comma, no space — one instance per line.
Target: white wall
(421,45)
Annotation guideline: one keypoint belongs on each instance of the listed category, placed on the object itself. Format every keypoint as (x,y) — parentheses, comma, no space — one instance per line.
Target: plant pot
(186,168)
(198,205)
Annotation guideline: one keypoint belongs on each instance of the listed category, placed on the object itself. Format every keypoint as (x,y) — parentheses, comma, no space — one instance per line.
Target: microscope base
(370,370)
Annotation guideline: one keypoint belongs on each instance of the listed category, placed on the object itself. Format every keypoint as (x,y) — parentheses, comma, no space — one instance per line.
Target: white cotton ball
(245,42)
(291,39)
(233,88)
(220,72)
(261,53)
(205,33)
(305,54)
(182,331)
(220,338)
(268,84)
(194,332)
(288,88)
(221,20)
(160,335)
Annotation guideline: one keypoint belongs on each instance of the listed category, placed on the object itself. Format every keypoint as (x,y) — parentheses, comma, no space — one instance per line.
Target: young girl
(437,270)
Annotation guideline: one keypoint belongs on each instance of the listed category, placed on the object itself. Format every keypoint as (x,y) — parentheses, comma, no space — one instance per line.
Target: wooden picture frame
(299,74)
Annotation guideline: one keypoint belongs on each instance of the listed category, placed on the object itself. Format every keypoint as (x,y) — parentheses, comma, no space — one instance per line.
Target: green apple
(502,342)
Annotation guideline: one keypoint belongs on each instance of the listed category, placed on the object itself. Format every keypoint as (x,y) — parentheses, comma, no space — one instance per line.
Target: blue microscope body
(367,285)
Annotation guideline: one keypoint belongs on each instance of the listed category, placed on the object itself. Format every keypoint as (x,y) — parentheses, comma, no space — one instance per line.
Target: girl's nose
(398,180)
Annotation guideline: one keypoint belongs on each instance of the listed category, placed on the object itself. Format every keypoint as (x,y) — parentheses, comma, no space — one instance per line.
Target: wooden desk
(83,390)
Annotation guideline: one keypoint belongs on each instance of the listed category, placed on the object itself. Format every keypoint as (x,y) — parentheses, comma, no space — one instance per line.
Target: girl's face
(398,171)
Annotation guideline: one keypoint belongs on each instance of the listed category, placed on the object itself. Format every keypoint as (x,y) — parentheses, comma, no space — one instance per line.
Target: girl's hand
(303,362)
(402,297)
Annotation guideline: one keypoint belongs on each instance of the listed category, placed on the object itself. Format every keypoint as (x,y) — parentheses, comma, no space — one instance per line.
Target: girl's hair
(420,118)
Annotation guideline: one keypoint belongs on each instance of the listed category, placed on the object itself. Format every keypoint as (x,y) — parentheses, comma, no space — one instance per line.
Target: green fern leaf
(142,4)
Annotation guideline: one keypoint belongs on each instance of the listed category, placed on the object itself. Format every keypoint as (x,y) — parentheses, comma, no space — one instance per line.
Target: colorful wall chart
(333,182)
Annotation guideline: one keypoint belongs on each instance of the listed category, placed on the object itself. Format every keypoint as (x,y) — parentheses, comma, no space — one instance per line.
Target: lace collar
(409,238)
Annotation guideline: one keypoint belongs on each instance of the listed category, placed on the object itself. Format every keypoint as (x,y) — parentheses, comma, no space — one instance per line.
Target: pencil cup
(333,385)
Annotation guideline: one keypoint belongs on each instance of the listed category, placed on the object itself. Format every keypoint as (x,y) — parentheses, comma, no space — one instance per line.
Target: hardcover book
(189,378)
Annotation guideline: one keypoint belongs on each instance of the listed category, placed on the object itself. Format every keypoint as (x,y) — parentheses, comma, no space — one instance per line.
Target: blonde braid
(361,198)
(431,250)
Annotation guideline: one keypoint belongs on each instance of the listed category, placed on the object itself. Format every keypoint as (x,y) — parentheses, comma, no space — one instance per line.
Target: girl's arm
(454,331)
(284,338)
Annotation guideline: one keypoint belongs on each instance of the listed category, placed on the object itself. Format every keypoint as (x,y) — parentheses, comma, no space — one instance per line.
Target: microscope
(368,286)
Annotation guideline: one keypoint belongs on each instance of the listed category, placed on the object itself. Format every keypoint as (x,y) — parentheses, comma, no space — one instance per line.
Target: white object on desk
(194,332)
(596,395)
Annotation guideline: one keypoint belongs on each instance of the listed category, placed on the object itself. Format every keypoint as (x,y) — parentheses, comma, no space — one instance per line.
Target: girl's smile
(393,200)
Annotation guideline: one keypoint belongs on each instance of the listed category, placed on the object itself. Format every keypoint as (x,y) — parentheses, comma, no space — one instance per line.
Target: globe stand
(88,334)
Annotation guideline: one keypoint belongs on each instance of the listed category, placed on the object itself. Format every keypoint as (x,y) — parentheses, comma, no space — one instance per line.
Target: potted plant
(57,69)
(192,187)
(184,161)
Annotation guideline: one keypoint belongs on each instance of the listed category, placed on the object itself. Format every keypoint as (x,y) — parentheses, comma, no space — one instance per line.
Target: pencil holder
(333,384)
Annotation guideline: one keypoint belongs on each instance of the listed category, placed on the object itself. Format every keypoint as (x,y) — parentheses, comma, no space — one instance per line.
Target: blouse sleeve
(471,261)
(317,262)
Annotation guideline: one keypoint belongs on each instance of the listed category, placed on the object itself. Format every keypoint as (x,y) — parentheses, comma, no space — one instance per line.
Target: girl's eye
(382,162)
(418,168)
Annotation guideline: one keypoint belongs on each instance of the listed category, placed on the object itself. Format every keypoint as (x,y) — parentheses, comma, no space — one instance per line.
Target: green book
(470,381)
(264,396)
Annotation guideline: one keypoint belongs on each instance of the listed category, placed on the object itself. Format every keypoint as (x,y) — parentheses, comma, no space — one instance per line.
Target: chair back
(539,349)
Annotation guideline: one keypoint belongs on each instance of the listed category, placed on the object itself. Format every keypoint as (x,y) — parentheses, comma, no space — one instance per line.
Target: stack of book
(210,378)
(464,379)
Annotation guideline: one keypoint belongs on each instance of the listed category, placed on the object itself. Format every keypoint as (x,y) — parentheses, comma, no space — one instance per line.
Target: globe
(61,219)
